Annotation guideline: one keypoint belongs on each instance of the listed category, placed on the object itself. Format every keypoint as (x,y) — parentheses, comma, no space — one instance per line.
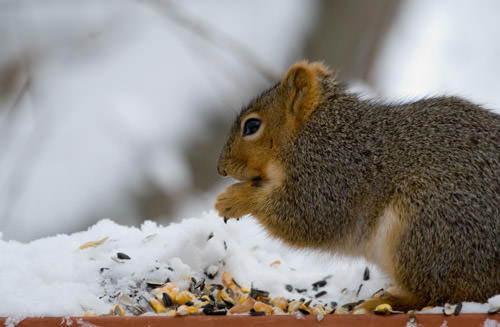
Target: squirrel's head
(272,120)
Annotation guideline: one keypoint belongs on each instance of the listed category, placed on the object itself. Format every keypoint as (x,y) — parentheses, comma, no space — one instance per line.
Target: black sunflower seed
(377,292)
(349,306)
(210,311)
(235,283)
(208,307)
(122,256)
(320,294)
(228,304)
(210,275)
(257,313)
(153,283)
(319,283)
(200,284)
(220,305)
(217,286)
(366,274)
(256,293)
(167,300)
(359,289)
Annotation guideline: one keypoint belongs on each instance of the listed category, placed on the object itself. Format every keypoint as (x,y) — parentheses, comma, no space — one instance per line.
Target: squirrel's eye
(251,126)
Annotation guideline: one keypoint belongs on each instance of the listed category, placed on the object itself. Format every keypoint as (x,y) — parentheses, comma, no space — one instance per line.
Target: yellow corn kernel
(260,306)
(243,298)
(306,308)
(93,244)
(198,304)
(243,307)
(194,310)
(245,289)
(90,314)
(158,306)
(171,313)
(280,302)
(227,279)
(275,263)
(318,309)
(205,298)
(117,310)
(183,297)
(383,308)
(426,308)
(223,296)
(294,306)
(173,292)
(170,288)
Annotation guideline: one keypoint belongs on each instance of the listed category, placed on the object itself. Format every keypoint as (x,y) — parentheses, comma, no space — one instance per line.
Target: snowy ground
(63,280)
(53,276)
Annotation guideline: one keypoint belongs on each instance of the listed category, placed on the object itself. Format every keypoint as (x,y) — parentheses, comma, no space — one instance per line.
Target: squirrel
(413,188)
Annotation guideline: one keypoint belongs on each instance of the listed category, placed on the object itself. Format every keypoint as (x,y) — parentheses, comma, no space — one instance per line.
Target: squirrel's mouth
(256,180)
(241,173)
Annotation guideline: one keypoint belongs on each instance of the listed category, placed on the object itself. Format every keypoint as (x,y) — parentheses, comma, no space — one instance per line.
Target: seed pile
(231,298)
(213,299)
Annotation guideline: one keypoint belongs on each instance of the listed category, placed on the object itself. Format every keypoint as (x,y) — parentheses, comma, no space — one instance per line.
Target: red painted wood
(399,320)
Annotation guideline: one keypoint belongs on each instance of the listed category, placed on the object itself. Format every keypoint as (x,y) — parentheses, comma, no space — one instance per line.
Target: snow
(65,275)
(494,301)
(491,323)
(52,276)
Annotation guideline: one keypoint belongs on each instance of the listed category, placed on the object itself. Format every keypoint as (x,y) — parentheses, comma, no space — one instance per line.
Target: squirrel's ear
(303,88)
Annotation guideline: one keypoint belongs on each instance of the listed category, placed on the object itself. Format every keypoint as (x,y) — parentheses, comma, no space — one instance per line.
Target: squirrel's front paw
(234,202)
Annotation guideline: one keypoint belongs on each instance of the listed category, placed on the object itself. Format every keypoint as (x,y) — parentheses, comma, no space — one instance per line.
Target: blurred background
(119,108)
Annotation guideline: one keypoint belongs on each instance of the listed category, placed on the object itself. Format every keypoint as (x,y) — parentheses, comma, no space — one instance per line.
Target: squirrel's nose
(221,171)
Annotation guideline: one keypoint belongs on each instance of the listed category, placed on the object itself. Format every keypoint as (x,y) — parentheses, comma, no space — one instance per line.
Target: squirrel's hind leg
(397,298)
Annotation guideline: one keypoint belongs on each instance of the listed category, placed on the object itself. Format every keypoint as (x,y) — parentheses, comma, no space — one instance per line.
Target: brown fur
(414,188)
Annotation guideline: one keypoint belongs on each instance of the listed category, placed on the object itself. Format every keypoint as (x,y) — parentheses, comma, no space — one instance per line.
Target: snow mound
(53,276)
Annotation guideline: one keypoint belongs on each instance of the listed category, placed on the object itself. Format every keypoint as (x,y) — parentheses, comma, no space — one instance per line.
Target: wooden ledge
(399,320)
